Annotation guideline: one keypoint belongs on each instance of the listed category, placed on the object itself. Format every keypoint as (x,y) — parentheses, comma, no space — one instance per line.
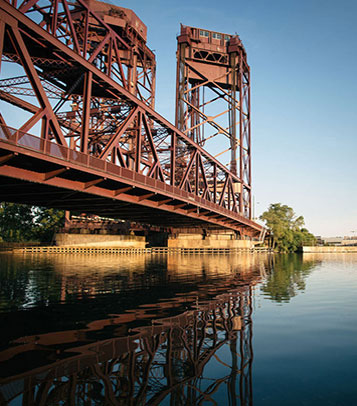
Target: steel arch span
(81,78)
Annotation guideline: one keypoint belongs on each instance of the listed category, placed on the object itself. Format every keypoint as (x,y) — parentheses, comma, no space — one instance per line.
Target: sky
(303,59)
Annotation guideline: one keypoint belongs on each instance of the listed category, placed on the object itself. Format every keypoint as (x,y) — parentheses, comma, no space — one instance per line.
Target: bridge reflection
(201,354)
(173,359)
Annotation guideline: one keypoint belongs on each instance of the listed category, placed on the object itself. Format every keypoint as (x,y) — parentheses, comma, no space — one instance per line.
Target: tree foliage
(47,222)
(288,233)
(21,222)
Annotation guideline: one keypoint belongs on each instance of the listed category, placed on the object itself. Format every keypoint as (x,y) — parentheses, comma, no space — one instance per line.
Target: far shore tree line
(24,223)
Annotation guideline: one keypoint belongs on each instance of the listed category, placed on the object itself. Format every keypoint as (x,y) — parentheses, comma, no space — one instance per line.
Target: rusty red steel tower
(79,130)
(213,100)
(114,40)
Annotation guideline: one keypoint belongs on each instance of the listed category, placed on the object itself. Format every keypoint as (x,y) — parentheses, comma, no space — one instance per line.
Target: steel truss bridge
(80,78)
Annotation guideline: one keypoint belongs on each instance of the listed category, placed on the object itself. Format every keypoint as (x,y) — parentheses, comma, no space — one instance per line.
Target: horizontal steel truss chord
(82,182)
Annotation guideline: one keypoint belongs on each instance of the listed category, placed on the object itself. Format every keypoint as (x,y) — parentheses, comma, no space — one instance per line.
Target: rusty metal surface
(98,145)
(213,99)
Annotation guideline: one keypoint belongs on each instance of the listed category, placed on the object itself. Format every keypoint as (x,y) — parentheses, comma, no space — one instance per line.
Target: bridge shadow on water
(134,329)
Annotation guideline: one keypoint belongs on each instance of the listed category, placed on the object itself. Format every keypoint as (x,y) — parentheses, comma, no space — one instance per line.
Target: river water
(152,329)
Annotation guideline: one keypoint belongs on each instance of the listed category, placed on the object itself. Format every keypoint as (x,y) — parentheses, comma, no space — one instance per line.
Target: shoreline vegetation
(24,224)
(30,225)
(288,233)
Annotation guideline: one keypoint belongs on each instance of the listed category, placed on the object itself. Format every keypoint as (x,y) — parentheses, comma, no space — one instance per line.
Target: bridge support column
(220,240)
(100,240)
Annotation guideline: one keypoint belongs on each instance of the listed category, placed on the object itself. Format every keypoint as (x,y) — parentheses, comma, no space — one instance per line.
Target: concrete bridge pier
(227,240)
(84,240)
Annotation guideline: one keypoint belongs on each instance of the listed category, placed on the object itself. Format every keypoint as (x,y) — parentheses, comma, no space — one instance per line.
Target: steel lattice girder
(132,135)
(213,73)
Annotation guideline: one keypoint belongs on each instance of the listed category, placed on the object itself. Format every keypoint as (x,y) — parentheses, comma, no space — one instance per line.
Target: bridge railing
(68,155)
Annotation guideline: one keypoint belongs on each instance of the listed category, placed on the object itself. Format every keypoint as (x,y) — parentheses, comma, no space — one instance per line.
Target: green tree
(21,222)
(47,222)
(288,234)
(16,222)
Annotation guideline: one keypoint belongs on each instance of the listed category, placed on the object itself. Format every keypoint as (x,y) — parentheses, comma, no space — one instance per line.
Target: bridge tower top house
(111,38)
(137,59)
(213,100)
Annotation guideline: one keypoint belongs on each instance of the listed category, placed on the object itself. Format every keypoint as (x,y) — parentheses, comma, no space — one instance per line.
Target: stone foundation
(99,240)
(211,241)
(218,241)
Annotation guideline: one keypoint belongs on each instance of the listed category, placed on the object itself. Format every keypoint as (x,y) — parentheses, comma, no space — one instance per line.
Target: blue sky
(303,59)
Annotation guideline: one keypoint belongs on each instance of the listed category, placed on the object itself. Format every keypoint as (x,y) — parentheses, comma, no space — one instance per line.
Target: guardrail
(68,155)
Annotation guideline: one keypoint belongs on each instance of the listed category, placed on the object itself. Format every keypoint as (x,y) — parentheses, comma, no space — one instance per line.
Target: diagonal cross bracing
(104,123)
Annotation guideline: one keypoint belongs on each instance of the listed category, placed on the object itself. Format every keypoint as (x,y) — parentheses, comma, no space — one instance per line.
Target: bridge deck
(39,172)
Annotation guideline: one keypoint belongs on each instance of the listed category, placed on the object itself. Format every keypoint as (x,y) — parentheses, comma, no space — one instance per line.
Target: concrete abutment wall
(133,241)
(211,241)
(100,240)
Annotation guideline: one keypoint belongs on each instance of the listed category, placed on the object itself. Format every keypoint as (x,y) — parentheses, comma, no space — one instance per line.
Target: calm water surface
(178,329)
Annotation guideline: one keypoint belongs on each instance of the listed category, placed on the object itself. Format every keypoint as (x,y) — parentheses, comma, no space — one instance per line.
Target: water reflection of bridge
(175,359)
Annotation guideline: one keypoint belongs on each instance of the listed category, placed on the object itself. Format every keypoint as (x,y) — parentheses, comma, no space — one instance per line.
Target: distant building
(337,240)
(332,240)
(349,241)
